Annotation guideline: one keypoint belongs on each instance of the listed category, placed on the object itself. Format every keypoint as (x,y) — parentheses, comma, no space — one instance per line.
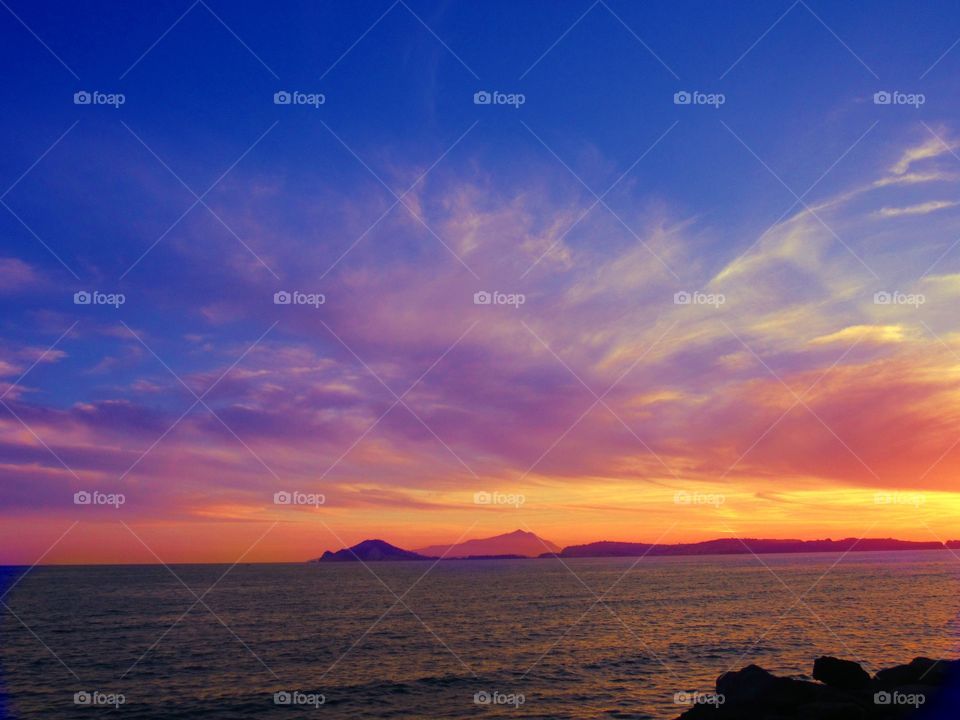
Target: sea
(579,638)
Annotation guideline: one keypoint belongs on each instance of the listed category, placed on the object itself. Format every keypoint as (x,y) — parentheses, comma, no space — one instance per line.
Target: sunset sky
(799,406)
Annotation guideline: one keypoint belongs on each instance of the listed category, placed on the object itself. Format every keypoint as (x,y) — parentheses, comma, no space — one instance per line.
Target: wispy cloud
(919,209)
(931,147)
(796,373)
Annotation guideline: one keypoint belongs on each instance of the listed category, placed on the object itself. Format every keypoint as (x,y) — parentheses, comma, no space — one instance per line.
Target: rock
(920,671)
(903,674)
(840,674)
(745,686)
(755,693)
(790,693)
(832,711)
(843,691)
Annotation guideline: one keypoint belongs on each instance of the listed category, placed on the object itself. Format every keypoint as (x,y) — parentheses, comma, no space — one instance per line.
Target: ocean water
(467,639)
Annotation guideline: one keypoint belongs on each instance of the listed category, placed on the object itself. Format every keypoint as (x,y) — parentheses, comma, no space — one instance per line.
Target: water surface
(513,628)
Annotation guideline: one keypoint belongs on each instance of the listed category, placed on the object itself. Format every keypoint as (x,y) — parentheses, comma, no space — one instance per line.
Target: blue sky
(799,98)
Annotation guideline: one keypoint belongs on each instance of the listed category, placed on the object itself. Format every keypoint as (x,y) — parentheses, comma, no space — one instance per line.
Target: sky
(729,316)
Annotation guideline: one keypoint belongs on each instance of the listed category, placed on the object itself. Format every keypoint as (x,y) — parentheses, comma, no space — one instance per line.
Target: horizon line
(547,555)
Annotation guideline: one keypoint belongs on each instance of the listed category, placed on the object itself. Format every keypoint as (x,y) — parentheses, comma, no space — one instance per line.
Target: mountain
(370,551)
(524,544)
(520,544)
(734,546)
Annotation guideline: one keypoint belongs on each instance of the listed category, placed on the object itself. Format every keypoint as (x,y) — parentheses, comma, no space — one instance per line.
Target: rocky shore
(840,690)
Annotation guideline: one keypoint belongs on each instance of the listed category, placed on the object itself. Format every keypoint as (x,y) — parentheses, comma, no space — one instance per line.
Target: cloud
(929,148)
(863,333)
(920,209)
(17,276)
(505,397)
(916,178)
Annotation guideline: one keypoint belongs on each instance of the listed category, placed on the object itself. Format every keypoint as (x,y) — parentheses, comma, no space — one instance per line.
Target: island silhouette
(521,544)
(518,542)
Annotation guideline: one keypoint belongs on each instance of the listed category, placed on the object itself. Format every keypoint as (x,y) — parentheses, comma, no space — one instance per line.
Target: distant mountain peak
(519,543)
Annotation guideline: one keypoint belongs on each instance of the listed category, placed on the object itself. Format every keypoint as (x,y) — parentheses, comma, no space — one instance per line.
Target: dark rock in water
(745,686)
(753,685)
(831,711)
(920,670)
(923,688)
(840,674)
(901,674)
(371,551)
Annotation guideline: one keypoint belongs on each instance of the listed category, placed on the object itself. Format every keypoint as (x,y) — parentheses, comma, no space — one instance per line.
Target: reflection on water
(523,638)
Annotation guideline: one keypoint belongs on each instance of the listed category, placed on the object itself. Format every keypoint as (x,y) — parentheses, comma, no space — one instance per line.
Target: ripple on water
(503,627)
